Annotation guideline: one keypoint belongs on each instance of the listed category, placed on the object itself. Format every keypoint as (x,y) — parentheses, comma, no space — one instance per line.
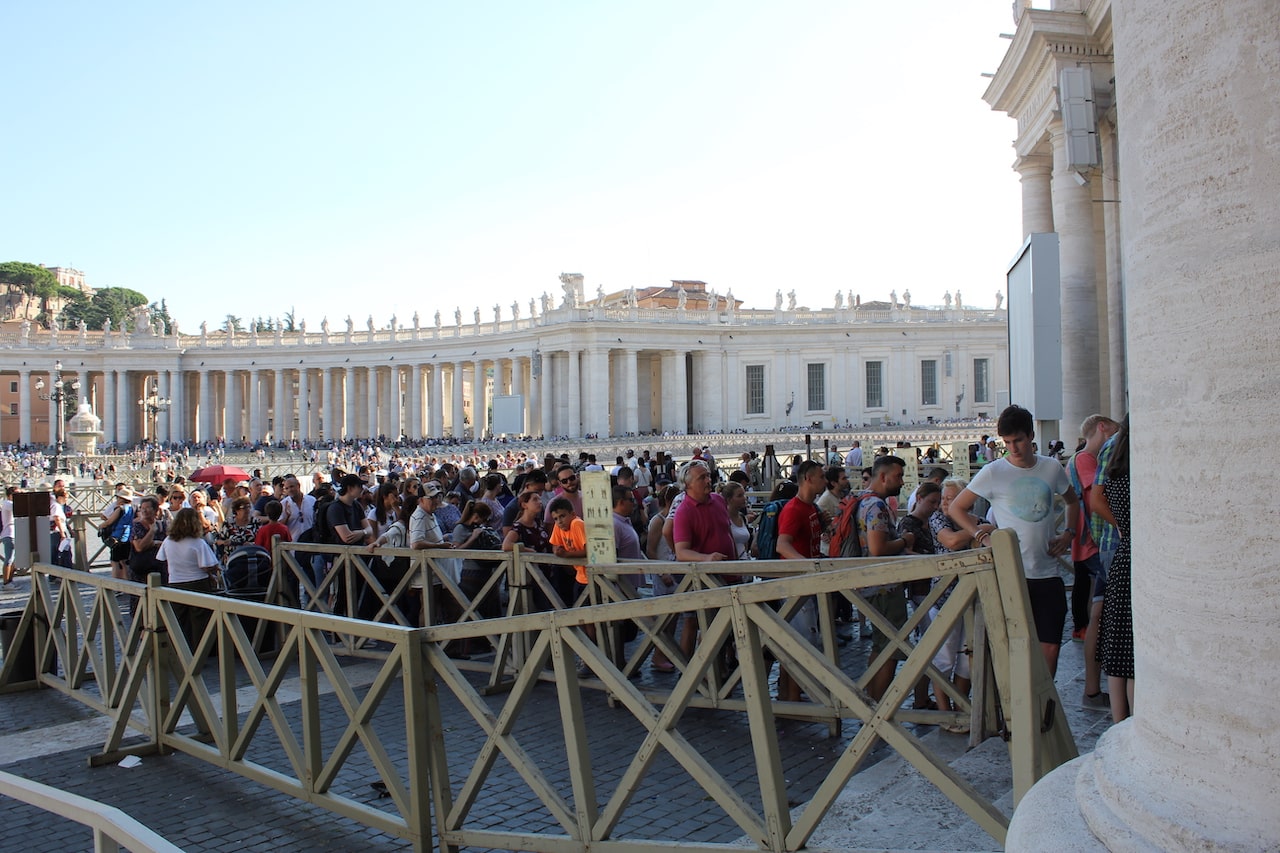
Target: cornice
(1025,84)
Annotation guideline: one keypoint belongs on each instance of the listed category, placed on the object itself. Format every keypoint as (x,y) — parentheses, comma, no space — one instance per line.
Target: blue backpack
(767,533)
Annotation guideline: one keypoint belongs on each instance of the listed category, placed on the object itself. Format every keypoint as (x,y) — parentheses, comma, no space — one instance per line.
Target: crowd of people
(664,510)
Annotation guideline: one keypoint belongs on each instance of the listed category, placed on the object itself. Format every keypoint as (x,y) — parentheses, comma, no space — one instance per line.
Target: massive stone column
(124,405)
(1073,218)
(546,408)
(595,384)
(165,390)
(1198,767)
(373,427)
(1037,197)
(351,402)
(414,401)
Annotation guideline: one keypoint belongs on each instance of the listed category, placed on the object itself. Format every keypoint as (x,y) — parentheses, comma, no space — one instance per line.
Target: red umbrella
(219,474)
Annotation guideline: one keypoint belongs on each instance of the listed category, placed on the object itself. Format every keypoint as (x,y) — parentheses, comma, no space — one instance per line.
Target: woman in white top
(192,566)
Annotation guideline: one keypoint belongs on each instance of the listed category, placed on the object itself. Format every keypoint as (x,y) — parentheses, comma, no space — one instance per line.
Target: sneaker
(1099,701)
(1077,636)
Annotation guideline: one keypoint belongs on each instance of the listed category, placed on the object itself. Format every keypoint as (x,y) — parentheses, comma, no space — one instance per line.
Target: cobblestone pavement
(47,737)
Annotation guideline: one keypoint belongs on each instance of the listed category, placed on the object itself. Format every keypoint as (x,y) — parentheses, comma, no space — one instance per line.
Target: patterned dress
(1115,642)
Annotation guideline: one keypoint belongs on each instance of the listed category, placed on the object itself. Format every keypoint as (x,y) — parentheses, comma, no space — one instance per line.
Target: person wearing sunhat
(118,518)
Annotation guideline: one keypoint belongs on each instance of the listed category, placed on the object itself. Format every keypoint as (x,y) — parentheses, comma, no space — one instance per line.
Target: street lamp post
(152,404)
(59,394)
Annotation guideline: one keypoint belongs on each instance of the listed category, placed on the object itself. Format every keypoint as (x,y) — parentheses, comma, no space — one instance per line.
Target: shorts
(1048,608)
(1093,565)
(892,603)
(951,659)
(1100,577)
(120,552)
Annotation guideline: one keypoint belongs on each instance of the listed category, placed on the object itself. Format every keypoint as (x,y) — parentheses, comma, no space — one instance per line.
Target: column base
(1111,799)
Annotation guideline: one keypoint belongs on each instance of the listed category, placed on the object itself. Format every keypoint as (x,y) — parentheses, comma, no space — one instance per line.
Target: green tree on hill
(32,280)
(115,303)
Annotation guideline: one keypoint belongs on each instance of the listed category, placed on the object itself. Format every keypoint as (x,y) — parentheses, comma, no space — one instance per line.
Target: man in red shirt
(800,538)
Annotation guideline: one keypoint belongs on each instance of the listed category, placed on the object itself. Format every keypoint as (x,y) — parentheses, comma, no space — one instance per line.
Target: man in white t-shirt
(6,533)
(1021,487)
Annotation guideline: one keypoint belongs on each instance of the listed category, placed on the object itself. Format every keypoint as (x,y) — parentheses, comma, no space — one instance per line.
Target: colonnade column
(205,414)
(24,406)
(124,405)
(517,390)
(233,424)
(479,403)
(54,383)
(349,423)
(631,392)
(326,403)
(436,410)
(108,404)
(371,398)
(304,403)
(459,422)
(1037,196)
(595,385)
(1073,220)
(415,401)
(177,402)
(165,389)
(573,395)
(546,401)
(253,398)
(281,412)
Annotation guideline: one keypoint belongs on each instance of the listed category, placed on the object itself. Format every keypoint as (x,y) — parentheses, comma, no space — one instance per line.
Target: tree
(161,312)
(290,321)
(32,280)
(115,303)
(233,324)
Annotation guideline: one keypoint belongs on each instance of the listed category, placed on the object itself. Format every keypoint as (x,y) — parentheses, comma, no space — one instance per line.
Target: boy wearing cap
(119,518)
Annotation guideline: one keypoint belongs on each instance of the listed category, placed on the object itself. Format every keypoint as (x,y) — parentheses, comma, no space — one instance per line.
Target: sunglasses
(568,479)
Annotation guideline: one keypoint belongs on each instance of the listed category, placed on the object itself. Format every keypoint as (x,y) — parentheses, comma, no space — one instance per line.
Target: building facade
(612,367)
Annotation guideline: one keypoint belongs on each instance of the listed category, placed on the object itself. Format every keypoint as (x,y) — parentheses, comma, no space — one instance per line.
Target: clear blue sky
(387,157)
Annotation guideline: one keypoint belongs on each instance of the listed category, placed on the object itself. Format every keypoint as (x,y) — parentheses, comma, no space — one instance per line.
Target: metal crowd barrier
(171,674)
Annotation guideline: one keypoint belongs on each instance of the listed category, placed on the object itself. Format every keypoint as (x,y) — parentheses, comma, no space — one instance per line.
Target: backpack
(767,530)
(321,533)
(845,539)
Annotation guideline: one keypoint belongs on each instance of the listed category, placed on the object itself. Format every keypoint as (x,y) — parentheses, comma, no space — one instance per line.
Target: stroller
(248,572)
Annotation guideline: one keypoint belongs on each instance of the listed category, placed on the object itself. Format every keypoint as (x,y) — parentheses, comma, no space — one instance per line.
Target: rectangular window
(755,389)
(13,387)
(13,408)
(817,387)
(929,382)
(982,380)
(875,385)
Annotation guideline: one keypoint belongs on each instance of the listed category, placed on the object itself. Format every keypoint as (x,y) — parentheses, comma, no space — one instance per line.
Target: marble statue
(369,324)
(632,301)
(302,327)
(839,300)
(959,303)
(394,324)
(906,298)
(777,301)
(83,327)
(731,304)
(106,327)
(417,323)
(279,331)
(714,302)
(497,312)
(852,304)
(946,300)
(173,328)
(546,302)
(457,316)
(437,318)
(570,295)
(324,326)
(476,315)
(682,298)
(350,325)
(141,318)
(515,310)
(893,298)
(600,295)
(999,299)
(791,301)
(533,308)
(204,327)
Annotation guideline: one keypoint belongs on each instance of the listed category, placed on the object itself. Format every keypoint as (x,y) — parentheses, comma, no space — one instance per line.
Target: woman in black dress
(1115,636)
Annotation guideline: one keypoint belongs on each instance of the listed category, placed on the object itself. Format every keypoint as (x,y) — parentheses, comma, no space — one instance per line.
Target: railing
(112,828)
(155,678)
